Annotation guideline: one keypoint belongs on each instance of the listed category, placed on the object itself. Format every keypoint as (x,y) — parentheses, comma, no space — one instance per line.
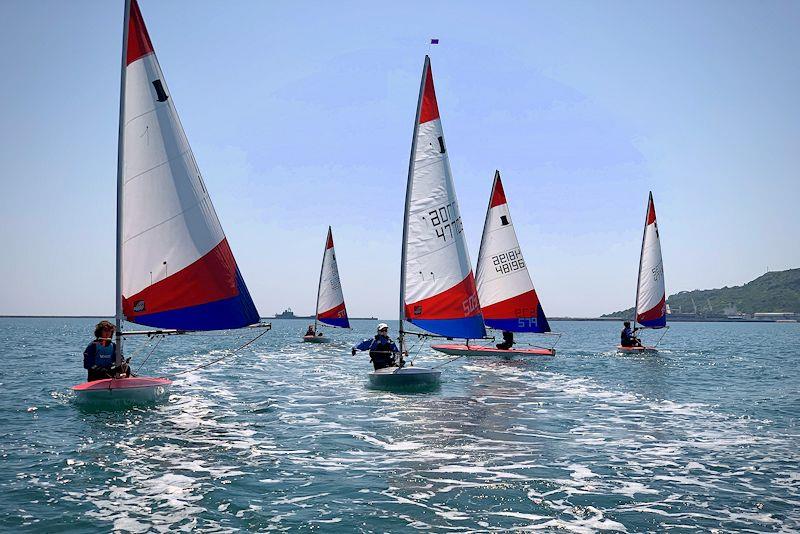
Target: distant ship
(289,314)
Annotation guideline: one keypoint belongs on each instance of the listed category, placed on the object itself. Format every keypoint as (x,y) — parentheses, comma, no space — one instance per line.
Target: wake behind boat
(650,310)
(508,299)
(174,268)
(330,298)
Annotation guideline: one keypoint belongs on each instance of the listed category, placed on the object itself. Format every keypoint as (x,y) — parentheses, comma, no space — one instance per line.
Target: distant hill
(772,292)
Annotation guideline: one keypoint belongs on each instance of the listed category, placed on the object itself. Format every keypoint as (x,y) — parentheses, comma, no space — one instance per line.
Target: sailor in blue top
(100,356)
(628,337)
(382,350)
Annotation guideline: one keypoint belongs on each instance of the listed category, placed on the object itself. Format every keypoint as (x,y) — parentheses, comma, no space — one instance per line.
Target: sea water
(288,436)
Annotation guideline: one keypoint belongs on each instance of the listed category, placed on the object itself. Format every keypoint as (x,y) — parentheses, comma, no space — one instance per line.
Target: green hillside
(772,292)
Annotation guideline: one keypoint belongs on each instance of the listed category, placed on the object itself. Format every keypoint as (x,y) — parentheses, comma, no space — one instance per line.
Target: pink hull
(137,389)
(481,350)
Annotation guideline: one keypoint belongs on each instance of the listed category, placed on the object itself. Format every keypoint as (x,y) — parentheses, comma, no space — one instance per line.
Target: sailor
(382,350)
(508,340)
(310,331)
(628,337)
(100,357)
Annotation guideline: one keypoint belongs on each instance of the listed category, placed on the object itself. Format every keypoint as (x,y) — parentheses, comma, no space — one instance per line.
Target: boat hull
(140,389)
(481,350)
(636,350)
(404,377)
(316,339)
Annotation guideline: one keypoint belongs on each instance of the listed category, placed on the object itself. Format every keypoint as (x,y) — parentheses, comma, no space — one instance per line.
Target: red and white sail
(177,268)
(330,299)
(439,288)
(651,309)
(505,289)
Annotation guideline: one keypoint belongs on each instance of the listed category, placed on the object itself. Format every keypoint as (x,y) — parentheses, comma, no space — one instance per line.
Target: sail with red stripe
(505,289)
(178,270)
(651,308)
(438,291)
(330,299)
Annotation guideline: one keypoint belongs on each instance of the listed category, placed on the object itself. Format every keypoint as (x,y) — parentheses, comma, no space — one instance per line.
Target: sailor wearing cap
(382,350)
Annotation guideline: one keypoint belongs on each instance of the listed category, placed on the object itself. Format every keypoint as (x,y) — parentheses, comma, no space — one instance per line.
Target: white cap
(381,326)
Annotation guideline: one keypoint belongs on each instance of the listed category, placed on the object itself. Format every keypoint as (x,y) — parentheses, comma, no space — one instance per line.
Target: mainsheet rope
(155,345)
(231,353)
(666,328)
(421,338)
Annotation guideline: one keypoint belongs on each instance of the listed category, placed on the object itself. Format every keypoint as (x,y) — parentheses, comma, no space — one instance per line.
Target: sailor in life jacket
(627,337)
(382,350)
(100,356)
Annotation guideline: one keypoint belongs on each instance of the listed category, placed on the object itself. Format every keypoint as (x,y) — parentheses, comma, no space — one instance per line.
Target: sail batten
(331,309)
(438,286)
(178,270)
(505,289)
(651,309)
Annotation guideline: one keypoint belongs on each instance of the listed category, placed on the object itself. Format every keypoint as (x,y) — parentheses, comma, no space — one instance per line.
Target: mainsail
(177,269)
(508,299)
(438,290)
(651,309)
(330,300)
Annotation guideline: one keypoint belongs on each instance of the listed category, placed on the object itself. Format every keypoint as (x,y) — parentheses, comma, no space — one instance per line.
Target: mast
(121,179)
(319,285)
(641,254)
(409,183)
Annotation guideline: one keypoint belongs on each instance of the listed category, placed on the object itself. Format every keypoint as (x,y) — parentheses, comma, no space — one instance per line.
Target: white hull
(636,350)
(404,377)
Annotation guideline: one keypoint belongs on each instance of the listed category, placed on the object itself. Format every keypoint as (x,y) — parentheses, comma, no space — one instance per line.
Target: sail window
(160,92)
(504,220)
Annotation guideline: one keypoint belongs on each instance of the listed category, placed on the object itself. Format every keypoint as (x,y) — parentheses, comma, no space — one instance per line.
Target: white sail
(505,289)
(651,309)
(439,293)
(177,268)
(330,299)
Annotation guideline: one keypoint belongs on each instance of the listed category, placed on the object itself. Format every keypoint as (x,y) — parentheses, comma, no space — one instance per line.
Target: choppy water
(286,436)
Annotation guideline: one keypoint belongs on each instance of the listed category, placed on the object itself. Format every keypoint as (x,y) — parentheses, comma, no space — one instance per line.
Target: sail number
(335,283)
(471,305)
(446,221)
(508,262)
(658,272)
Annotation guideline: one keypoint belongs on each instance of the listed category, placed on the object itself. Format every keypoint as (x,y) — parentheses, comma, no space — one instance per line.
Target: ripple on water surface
(288,435)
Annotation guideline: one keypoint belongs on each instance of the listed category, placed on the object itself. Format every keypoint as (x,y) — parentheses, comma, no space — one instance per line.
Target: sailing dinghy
(505,289)
(437,287)
(175,269)
(651,302)
(330,299)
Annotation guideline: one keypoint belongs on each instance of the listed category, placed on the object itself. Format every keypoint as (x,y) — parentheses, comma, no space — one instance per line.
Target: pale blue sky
(300,116)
